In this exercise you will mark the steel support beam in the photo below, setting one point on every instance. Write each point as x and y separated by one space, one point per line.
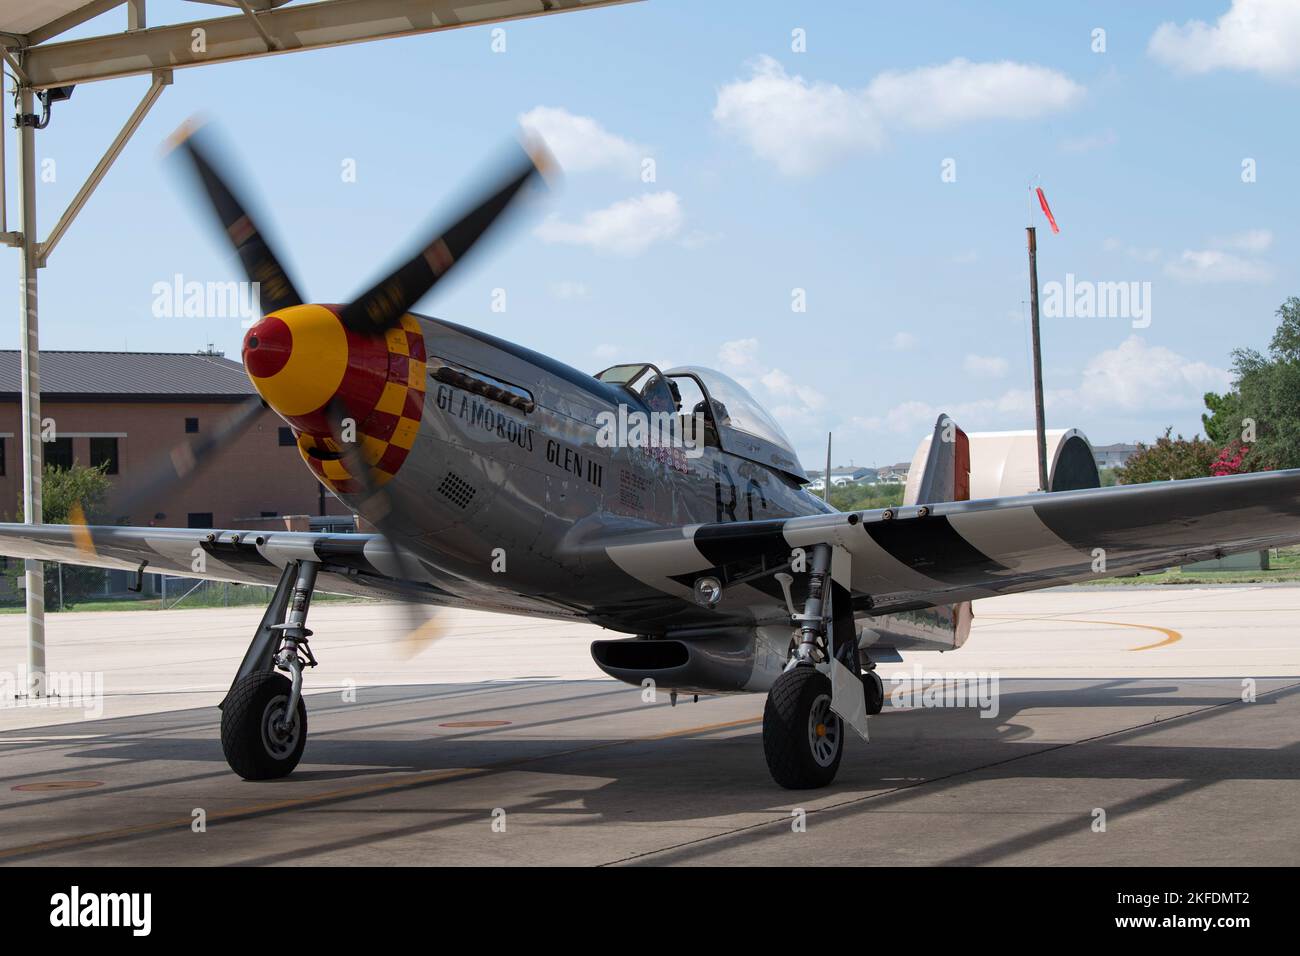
161 79
136 15
75 18
19 73
7 237
270 41
31 384
296 27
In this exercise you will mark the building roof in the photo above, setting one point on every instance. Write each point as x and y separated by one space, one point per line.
129 376
24 16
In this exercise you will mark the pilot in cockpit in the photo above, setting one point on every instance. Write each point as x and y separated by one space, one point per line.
661 394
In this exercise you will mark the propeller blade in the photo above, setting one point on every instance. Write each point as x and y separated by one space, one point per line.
433 626
81 535
423 625
381 307
169 473
260 263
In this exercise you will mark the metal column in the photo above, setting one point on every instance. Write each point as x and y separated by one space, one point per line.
1039 427
31 375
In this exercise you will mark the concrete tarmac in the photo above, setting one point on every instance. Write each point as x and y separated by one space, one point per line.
1120 736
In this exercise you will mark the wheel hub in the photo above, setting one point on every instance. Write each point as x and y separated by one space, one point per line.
824 731
278 737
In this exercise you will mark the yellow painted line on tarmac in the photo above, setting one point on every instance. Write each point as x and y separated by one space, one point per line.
1170 635
362 790
725 725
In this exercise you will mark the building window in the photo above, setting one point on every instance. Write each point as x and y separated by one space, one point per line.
57 453
269 514
286 436
191 425
103 452
199 519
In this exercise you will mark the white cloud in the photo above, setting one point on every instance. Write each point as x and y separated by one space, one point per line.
579 143
697 238
902 341
1260 35
569 290
985 366
1137 377
1216 265
739 356
794 404
961 91
606 352
1252 240
1133 378
904 417
778 383
1219 263
802 126
1140 253
626 228
1087 144
797 125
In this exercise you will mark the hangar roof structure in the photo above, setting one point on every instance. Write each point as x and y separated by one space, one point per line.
73 374
44 67
257 28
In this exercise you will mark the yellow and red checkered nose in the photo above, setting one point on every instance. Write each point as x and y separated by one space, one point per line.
302 361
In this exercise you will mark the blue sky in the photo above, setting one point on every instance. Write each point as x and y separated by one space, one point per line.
775 171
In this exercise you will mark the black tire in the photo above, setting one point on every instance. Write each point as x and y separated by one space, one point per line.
789 732
252 747
874 688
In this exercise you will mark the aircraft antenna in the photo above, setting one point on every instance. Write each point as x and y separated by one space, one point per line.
826 489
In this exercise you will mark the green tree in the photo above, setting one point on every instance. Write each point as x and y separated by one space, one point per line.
1223 423
1169 459
61 490
1263 409
866 497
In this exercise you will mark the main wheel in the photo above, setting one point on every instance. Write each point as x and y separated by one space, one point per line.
256 742
803 739
874 689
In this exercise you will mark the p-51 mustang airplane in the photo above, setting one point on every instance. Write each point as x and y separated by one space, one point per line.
463 449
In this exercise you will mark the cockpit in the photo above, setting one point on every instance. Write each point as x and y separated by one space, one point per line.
732 419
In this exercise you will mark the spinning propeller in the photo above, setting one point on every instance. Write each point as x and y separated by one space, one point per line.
323 367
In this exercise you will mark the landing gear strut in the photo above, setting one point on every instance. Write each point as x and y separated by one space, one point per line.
803 738
263 718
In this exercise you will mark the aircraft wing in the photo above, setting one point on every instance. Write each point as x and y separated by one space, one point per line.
244 557
357 564
939 554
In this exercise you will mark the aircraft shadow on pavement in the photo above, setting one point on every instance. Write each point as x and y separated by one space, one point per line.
906 747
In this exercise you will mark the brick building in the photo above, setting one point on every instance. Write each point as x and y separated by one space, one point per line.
128 409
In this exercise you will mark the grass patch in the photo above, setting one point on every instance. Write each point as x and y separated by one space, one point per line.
1283 567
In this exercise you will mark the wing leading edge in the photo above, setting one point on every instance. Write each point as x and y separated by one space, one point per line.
358 564
943 553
